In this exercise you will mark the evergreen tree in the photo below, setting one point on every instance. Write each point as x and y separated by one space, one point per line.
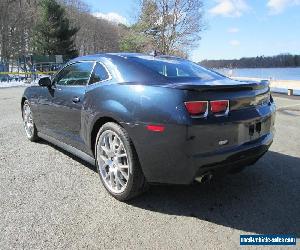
53 34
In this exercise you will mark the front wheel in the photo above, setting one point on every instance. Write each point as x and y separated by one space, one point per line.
28 122
117 163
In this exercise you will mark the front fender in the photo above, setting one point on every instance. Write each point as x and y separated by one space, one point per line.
31 94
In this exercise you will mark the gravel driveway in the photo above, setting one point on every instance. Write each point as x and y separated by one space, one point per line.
50 199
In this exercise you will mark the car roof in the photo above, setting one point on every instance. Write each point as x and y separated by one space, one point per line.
125 55
126 71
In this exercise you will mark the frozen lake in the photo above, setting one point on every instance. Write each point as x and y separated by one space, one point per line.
266 73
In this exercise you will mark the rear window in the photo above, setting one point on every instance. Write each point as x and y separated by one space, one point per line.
176 68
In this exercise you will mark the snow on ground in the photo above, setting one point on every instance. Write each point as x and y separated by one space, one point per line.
277 86
15 84
283 90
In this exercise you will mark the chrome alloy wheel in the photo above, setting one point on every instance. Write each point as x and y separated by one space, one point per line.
113 161
28 121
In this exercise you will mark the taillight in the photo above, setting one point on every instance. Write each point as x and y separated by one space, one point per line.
219 108
197 108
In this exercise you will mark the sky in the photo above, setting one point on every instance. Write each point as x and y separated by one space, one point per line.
234 28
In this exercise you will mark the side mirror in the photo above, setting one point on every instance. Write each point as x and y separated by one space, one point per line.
45 82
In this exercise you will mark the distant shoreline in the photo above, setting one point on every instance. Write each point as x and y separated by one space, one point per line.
278 61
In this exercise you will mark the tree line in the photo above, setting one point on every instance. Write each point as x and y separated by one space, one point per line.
278 61
49 27
67 27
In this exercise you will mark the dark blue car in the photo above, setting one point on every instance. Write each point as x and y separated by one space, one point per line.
150 119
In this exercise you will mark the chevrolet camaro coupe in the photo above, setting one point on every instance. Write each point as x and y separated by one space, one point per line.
145 119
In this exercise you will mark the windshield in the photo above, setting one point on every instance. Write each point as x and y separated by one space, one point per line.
176 68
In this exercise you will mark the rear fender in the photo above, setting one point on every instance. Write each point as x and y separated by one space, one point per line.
131 106
109 110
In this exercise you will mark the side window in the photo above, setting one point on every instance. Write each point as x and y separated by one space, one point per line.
99 74
75 74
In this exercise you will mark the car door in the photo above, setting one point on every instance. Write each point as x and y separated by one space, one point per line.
60 109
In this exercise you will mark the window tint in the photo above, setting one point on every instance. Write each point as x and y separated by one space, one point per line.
175 68
99 74
75 74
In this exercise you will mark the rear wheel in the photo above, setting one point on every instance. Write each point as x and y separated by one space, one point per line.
29 126
117 163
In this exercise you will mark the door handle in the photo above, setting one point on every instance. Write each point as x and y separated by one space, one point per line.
76 99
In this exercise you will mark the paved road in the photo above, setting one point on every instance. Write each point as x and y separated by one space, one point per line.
52 200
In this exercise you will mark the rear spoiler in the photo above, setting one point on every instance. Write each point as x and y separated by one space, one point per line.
244 85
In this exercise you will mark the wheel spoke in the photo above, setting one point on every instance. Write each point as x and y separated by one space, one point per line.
121 155
123 166
124 174
120 148
110 141
106 143
114 144
105 149
118 183
111 178
105 159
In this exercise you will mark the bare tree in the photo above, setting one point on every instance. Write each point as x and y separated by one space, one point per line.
16 20
18 17
96 35
174 25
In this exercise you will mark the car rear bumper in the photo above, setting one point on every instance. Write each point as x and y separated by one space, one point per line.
184 152
236 158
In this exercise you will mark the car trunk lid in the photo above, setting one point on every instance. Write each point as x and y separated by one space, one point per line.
241 94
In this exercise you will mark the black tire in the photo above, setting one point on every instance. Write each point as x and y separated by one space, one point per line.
136 183
31 136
